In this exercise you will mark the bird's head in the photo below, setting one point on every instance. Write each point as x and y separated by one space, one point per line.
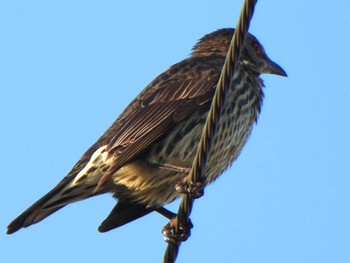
253 54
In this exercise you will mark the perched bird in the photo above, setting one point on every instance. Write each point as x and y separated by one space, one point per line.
150 147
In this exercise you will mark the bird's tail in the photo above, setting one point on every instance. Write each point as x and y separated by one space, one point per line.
76 186
54 200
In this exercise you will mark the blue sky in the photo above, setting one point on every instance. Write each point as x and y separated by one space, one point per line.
68 68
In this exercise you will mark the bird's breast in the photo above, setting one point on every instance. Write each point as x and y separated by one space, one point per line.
241 110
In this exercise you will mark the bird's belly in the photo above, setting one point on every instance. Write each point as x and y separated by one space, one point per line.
227 144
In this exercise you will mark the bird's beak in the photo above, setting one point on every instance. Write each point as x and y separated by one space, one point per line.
273 68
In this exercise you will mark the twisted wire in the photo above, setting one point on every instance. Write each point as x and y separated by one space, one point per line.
209 131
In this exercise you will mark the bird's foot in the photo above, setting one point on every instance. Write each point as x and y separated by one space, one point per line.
175 233
194 190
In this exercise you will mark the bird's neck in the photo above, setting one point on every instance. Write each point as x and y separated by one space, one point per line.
246 91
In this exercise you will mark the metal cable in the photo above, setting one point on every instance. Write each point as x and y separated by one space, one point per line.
182 224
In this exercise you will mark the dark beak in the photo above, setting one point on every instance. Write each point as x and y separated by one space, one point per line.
273 68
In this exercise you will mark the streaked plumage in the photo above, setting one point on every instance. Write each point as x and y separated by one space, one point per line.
140 156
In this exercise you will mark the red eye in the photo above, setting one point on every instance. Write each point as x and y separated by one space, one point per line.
257 48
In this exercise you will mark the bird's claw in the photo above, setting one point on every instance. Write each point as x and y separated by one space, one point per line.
194 190
172 234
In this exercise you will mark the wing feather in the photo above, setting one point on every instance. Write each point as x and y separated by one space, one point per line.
184 88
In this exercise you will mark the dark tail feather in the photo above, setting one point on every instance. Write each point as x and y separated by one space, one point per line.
122 214
32 214
48 204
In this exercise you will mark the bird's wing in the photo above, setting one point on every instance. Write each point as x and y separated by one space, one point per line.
184 88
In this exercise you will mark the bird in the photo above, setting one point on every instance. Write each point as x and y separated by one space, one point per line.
150 147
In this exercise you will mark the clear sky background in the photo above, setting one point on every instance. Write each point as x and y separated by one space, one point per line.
68 69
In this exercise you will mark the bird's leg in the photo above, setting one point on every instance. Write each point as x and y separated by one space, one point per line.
166 213
171 167
175 233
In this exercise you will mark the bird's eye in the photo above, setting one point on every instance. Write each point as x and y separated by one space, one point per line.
257 48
